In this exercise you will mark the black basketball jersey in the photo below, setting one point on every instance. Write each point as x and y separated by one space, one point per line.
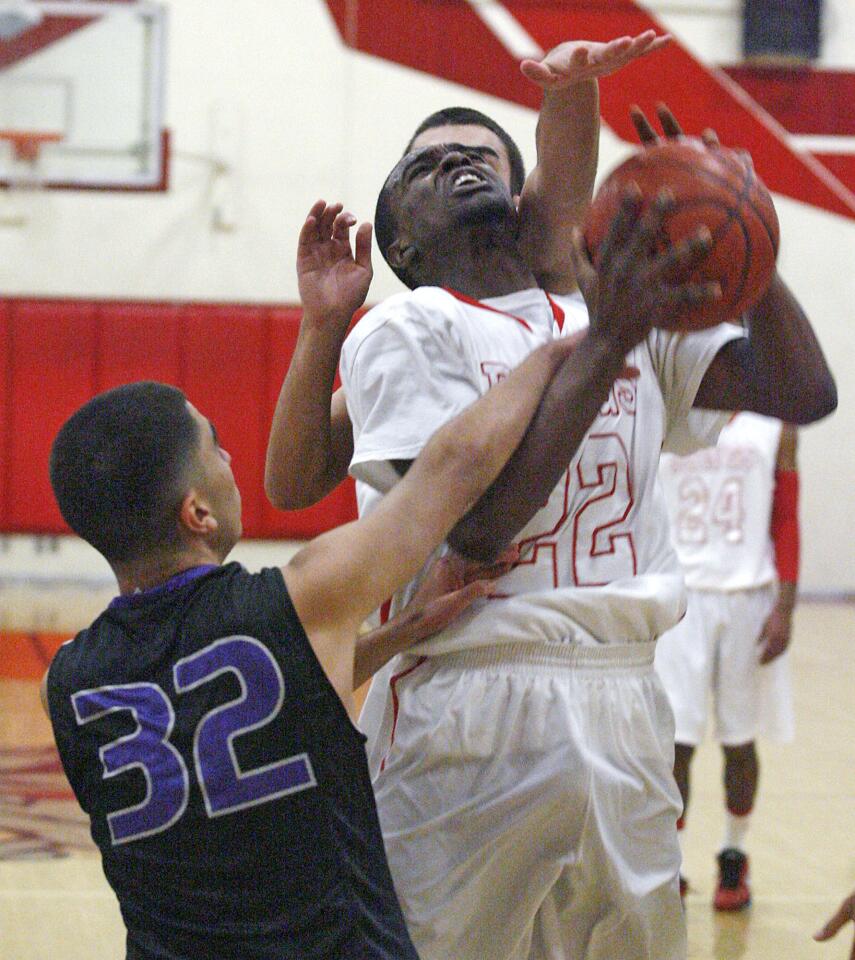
227 789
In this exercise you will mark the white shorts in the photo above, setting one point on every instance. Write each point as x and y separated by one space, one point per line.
529 808
713 652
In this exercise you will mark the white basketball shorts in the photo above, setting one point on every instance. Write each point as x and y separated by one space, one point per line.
528 805
713 653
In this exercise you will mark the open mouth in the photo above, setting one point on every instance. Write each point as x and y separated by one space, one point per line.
466 180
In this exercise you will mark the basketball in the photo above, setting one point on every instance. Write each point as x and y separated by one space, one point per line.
715 186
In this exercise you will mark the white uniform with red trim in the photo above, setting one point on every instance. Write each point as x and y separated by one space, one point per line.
720 509
523 756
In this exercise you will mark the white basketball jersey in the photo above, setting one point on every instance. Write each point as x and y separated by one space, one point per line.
720 506
597 565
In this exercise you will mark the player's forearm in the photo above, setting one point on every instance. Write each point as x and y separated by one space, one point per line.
567 410
377 647
559 189
779 370
787 591
303 463
788 359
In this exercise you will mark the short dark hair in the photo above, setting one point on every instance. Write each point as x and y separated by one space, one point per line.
467 117
119 465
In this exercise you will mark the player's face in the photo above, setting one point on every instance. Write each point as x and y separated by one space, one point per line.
216 481
436 189
470 135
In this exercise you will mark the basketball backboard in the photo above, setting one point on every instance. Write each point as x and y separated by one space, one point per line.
85 78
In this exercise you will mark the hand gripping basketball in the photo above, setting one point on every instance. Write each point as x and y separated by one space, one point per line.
712 186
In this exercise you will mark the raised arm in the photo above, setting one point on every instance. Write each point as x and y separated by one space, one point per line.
631 293
311 441
559 189
779 368
340 577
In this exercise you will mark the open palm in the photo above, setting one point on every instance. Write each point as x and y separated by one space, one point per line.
578 60
333 278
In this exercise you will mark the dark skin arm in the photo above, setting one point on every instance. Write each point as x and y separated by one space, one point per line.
779 369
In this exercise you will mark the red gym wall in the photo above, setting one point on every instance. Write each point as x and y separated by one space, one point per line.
229 359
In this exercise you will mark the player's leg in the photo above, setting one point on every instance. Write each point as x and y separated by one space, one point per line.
684 662
482 799
621 898
737 708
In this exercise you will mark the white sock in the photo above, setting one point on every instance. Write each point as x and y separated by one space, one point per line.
735 829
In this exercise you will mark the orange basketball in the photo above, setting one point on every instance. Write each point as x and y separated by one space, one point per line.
713 186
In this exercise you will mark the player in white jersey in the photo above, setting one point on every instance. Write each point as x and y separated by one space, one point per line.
568 730
526 774
733 511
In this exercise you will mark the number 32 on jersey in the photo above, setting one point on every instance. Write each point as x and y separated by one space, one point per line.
225 787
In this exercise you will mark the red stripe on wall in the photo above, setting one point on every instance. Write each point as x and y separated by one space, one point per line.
805 101
416 34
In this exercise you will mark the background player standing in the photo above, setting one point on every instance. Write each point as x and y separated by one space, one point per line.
733 510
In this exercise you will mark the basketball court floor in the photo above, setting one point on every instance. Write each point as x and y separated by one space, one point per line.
55 903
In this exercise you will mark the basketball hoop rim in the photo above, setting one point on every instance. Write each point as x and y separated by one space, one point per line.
27 144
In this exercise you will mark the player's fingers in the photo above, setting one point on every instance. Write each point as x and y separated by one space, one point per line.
693 294
670 127
325 224
362 246
643 127
684 256
710 137
342 224
584 272
308 232
625 223
535 71
647 229
659 42
845 913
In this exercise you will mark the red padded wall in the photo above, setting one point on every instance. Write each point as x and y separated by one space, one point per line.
229 360
224 377
138 341
52 346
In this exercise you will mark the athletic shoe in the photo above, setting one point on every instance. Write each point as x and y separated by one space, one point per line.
733 892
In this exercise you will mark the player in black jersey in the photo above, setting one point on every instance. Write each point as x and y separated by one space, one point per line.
201 719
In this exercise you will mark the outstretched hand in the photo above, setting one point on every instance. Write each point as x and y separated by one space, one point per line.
578 60
450 586
632 287
333 279
670 126
845 914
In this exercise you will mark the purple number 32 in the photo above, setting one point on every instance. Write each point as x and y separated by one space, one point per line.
225 787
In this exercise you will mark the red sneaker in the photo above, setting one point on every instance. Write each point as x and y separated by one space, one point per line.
732 892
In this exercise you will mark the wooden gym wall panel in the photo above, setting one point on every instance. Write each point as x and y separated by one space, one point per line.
53 349
340 505
225 378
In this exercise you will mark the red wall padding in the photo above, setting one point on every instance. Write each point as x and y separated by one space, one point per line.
228 359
